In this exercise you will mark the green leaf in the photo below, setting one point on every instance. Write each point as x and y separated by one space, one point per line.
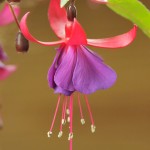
63 3
133 10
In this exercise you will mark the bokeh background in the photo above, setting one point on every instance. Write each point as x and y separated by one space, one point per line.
121 113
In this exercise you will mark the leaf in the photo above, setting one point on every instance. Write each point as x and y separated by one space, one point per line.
133 10
63 3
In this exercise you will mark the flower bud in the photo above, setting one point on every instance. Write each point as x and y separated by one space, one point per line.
71 12
22 44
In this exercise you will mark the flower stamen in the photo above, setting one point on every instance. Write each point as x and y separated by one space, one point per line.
67 111
71 121
55 114
93 127
65 107
81 112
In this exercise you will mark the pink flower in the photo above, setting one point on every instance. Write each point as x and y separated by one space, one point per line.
6 16
5 70
75 67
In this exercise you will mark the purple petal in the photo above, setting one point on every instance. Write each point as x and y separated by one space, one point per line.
63 91
3 55
64 72
52 70
91 73
6 16
6 71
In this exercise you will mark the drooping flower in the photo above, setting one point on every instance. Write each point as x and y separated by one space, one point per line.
6 17
75 67
5 70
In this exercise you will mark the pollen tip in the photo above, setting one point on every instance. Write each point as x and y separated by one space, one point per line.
63 121
68 119
70 136
49 133
60 134
67 111
82 121
93 128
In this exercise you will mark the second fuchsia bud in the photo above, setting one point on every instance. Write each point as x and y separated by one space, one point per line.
22 44
71 12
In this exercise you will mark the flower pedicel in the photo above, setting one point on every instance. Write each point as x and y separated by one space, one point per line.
75 67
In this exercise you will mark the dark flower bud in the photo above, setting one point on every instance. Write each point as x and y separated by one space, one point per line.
2 1
22 44
71 12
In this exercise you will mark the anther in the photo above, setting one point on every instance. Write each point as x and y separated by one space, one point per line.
60 134
93 128
49 133
82 121
63 121
70 136
22 44
68 119
67 111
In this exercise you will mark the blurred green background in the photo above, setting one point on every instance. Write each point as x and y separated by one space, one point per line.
121 113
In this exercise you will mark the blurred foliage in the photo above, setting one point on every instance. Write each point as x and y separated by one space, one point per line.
133 10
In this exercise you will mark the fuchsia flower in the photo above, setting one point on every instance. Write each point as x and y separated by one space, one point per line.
6 16
5 70
75 67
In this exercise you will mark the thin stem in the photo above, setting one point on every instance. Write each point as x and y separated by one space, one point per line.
71 122
66 101
89 109
55 114
81 112
72 1
71 144
14 15
62 116
79 103
71 113
62 121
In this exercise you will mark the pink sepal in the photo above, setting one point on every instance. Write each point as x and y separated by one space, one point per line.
6 71
78 36
26 33
116 41
57 18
